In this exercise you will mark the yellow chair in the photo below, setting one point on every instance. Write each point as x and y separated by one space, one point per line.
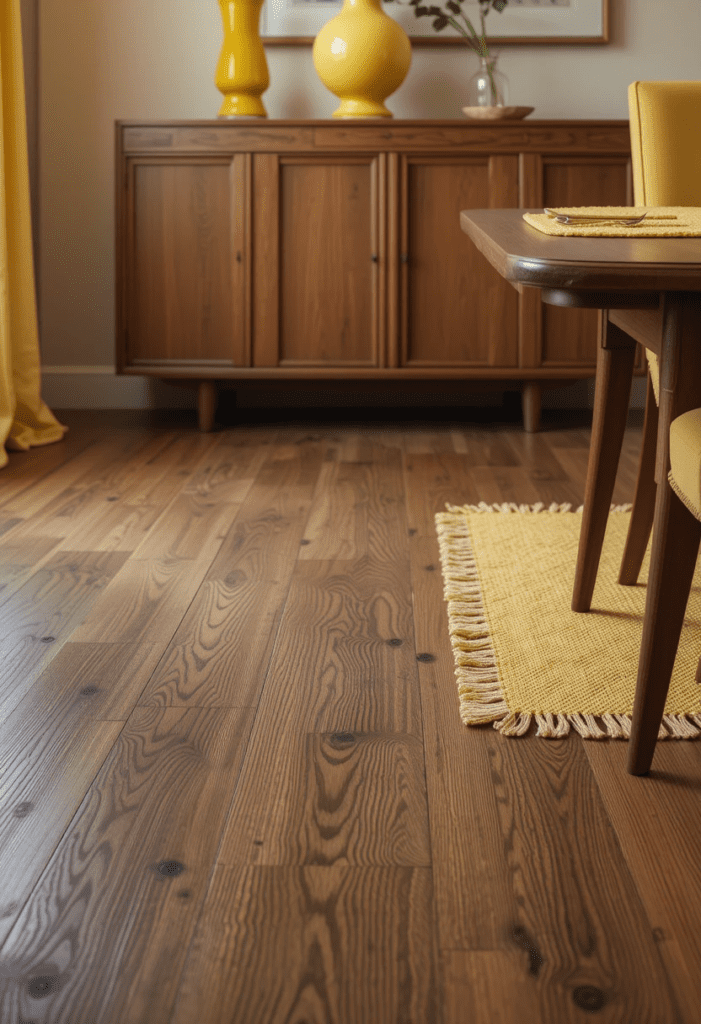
666 160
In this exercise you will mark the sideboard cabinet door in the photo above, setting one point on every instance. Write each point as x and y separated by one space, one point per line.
319 261
455 310
184 264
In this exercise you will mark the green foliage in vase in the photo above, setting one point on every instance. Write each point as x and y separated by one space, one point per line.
452 11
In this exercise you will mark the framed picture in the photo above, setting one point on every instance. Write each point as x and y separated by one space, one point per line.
522 22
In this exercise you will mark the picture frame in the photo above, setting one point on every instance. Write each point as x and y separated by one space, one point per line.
523 22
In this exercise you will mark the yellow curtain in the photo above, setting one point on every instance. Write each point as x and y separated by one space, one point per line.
25 420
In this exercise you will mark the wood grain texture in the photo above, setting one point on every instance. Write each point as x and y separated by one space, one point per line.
53 745
471 881
106 931
488 986
330 252
358 508
343 830
220 652
605 957
43 614
459 311
345 643
185 284
294 945
652 816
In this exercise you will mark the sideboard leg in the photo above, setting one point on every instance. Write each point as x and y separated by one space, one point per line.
531 407
206 405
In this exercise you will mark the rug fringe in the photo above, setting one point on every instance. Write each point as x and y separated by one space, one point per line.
511 506
479 687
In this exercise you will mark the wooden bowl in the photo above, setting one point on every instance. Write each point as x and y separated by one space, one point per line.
497 113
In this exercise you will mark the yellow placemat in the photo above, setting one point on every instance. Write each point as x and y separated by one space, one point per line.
661 222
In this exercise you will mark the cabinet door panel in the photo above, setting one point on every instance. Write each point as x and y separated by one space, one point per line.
330 256
569 335
186 263
457 310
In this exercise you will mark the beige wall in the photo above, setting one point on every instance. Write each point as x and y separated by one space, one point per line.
101 60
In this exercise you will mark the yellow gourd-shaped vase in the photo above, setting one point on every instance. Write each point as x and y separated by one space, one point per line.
242 71
362 55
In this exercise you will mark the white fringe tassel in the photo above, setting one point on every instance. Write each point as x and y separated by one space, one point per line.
479 687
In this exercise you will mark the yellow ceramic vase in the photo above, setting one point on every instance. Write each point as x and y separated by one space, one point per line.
362 55
242 71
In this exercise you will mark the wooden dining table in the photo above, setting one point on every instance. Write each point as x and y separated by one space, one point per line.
649 291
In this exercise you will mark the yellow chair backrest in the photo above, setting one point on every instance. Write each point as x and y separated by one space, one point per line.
665 135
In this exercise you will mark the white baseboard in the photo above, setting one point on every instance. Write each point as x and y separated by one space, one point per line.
99 387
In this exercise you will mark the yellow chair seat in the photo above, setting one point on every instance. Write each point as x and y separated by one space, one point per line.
685 459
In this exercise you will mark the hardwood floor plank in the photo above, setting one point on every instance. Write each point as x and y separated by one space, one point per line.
535 453
473 894
488 987
344 648
319 945
20 559
42 615
495 485
108 463
105 933
334 798
358 509
106 679
221 650
34 468
144 603
656 819
49 759
590 944
483 446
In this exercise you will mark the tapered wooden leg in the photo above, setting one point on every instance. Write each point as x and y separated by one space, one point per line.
643 513
675 547
614 377
698 672
531 401
206 405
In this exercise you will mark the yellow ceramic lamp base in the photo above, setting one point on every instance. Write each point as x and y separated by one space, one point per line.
242 72
362 56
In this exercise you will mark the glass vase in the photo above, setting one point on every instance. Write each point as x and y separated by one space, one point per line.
488 87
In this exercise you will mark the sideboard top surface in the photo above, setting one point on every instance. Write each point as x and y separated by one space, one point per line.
263 135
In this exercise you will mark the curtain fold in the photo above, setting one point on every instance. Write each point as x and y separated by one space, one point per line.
25 421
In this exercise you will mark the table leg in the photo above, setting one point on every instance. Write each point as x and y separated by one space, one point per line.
676 532
614 378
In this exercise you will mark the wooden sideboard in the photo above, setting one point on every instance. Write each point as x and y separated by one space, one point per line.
332 250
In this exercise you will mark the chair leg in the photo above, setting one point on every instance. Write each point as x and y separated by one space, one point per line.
675 548
698 672
643 512
614 377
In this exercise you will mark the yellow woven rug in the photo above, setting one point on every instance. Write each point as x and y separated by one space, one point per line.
522 654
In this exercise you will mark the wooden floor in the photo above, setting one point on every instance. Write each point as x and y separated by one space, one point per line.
235 786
